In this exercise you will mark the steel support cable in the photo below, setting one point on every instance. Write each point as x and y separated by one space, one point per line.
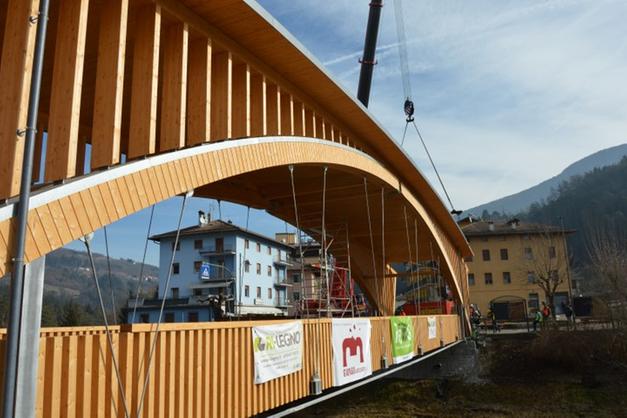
106 324
417 268
374 263
326 267
350 273
453 211
241 269
383 264
411 263
298 231
165 291
140 282
402 47
404 133
113 308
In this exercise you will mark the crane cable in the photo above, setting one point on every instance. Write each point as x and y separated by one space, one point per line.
408 106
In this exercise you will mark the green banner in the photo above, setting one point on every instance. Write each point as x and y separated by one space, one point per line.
402 338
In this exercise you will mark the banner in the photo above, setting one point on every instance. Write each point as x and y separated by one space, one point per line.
402 338
277 350
351 350
433 329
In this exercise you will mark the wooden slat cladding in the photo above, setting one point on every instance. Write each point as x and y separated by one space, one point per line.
173 77
199 91
15 74
240 100
107 119
66 90
143 118
221 95
198 369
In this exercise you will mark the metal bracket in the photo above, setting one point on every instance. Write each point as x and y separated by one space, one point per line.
33 19
22 132
368 62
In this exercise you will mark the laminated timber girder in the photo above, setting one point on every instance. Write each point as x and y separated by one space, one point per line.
167 95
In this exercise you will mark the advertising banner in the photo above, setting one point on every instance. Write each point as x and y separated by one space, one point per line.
351 350
433 329
277 350
402 338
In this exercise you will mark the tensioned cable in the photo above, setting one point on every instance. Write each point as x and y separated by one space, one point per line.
94 276
167 285
374 263
417 268
140 282
404 133
383 265
402 47
241 270
300 244
326 267
113 309
411 263
434 167
350 274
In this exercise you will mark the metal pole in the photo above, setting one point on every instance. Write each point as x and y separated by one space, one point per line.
17 279
370 46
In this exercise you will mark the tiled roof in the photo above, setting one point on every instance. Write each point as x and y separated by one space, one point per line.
512 227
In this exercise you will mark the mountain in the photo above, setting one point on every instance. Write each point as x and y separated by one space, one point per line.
70 296
521 201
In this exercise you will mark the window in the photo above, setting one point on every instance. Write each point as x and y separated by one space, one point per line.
507 277
197 244
488 278
270 271
247 266
219 245
197 292
531 278
258 247
258 268
552 253
471 279
528 253
197 266
554 276
144 318
295 278
258 292
169 317
175 268
192 317
504 254
247 291
246 244
486 255
296 295
175 293
534 301
468 259
178 245
269 293
269 250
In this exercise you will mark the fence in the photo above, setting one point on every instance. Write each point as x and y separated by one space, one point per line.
198 369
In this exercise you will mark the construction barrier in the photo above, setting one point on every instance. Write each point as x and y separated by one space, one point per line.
197 370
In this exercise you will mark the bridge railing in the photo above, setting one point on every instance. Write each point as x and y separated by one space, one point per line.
198 369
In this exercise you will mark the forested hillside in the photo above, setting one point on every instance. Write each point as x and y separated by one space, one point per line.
585 203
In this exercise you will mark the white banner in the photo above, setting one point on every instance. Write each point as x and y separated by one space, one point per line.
277 350
433 329
351 350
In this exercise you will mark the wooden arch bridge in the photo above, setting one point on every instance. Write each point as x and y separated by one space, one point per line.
143 100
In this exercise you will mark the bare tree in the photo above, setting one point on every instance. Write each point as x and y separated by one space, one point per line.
542 259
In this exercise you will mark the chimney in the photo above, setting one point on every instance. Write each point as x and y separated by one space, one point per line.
491 226
202 218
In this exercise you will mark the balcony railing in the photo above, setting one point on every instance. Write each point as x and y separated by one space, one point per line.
217 251
282 260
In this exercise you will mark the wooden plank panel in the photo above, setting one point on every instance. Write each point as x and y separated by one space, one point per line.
49 228
287 113
15 74
107 119
66 90
143 124
258 103
273 109
241 100
199 92
310 123
299 119
37 153
221 95
174 87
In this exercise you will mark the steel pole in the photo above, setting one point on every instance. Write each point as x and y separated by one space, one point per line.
370 45
17 276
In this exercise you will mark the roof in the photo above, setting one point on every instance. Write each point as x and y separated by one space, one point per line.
217 227
511 227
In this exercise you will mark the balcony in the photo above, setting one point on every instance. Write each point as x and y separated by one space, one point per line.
284 303
282 283
217 251
282 261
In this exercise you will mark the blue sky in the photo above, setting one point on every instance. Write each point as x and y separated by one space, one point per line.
507 93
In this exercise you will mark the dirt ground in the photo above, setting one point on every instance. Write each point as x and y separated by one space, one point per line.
519 377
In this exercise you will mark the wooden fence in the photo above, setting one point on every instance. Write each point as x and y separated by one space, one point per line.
198 369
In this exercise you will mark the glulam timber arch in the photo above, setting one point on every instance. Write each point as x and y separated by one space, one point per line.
158 97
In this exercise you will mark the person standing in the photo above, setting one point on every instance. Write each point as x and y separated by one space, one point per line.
537 319
546 313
